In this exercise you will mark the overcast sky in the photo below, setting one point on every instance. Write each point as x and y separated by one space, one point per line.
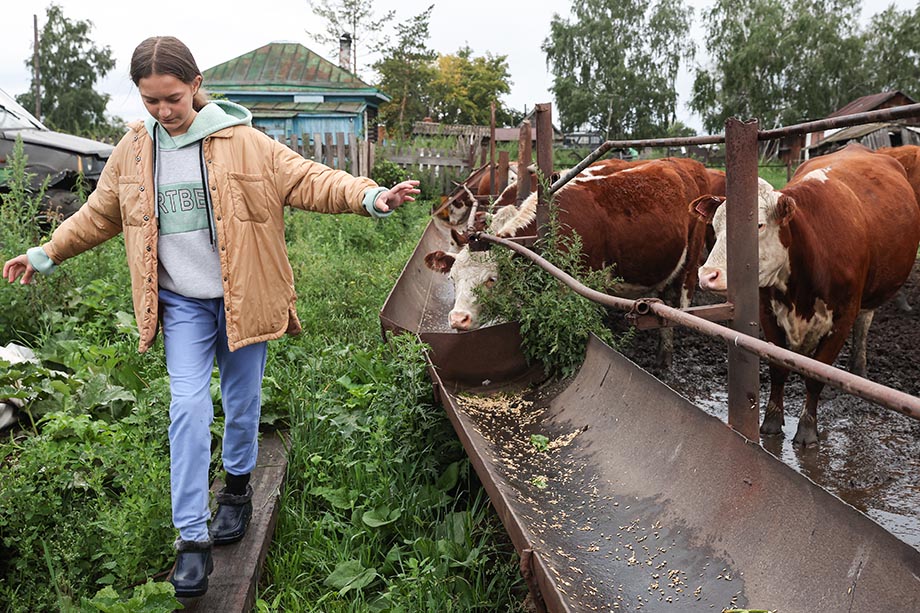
216 32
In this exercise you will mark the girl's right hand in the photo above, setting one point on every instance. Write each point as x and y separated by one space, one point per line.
18 266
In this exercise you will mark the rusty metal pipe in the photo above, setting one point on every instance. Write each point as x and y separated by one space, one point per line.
848 382
844 121
898 112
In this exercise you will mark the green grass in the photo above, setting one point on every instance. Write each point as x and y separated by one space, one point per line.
380 510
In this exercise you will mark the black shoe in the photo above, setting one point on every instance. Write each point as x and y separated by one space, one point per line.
232 517
193 565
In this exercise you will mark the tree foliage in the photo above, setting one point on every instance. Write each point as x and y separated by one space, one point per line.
465 86
615 64
354 17
448 88
784 63
70 64
406 71
892 51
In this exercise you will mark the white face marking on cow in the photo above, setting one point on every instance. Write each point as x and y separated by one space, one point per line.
819 174
773 268
469 271
803 335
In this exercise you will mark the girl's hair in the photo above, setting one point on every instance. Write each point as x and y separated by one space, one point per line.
167 55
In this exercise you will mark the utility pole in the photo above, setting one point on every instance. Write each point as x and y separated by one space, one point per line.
36 72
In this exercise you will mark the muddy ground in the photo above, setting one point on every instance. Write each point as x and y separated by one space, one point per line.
867 455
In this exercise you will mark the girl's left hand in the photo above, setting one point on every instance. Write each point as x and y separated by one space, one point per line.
396 195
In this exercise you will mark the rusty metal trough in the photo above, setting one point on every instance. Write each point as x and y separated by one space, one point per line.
642 501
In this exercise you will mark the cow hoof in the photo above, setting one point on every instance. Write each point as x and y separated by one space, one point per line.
771 427
805 437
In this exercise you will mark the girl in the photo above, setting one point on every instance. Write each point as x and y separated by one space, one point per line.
199 196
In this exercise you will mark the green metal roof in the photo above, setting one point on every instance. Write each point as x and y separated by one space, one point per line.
281 67
292 109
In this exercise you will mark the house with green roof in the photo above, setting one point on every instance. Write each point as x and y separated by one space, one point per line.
291 90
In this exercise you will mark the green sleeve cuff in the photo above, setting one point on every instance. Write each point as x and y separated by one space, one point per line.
40 260
370 197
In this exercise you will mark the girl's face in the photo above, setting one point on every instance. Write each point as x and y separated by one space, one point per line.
169 101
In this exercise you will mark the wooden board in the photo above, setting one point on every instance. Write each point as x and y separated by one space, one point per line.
232 585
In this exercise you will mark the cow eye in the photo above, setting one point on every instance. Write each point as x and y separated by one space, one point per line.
761 226
490 282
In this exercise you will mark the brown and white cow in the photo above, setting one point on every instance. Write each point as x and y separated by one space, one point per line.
634 218
909 157
455 209
835 243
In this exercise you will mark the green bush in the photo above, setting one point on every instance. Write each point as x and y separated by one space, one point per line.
387 174
555 321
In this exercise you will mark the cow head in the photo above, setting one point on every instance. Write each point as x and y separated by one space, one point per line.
468 270
774 210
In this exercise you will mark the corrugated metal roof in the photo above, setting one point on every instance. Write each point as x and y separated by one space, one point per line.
274 66
854 132
869 103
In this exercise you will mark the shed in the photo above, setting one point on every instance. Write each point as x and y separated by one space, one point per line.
292 91
875 135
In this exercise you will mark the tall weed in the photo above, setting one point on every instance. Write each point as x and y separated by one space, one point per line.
555 321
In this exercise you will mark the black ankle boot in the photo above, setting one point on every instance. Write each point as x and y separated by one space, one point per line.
193 565
232 516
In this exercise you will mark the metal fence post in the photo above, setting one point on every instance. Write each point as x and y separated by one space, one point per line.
742 266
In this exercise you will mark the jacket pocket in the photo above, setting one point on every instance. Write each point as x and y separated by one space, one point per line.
248 195
129 196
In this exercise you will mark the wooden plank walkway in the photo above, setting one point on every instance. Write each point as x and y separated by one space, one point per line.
232 585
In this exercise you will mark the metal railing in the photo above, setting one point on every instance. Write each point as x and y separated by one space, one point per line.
741 140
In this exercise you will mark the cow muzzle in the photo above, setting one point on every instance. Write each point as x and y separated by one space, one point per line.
461 320
712 279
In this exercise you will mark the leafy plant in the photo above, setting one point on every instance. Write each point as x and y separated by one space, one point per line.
555 321
387 173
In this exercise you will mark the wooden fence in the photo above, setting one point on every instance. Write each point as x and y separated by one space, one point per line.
436 168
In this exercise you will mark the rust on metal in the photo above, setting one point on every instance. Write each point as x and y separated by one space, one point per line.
742 273
844 121
850 383
648 320
641 462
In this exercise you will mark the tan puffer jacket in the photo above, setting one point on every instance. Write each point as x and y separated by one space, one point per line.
251 178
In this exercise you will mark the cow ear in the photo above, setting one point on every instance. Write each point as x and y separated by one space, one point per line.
784 210
439 261
459 239
705 207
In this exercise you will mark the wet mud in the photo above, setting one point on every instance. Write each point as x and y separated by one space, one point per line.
867 455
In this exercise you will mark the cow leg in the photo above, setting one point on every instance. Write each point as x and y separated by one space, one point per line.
860 336
666 334
807 432
900 300
773 415
665 347
828 349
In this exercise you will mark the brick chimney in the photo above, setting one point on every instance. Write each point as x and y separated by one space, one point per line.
345 52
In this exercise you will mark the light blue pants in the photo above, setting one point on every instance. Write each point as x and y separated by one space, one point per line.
194 333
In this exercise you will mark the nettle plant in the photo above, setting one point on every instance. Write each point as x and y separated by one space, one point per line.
555 321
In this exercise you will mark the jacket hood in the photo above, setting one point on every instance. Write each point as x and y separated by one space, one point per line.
214 116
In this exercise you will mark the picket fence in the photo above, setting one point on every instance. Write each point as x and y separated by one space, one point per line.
436 168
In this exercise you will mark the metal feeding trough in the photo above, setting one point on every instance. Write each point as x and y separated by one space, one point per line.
621 495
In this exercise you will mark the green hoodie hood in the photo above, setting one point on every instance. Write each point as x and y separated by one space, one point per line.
214 116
